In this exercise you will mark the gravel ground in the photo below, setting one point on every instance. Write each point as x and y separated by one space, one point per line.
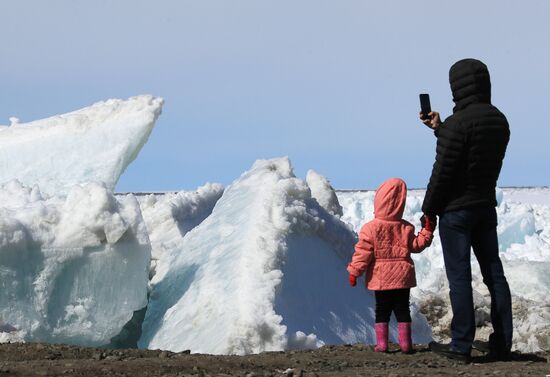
37 359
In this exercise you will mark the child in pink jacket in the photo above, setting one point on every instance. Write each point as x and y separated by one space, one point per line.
384 253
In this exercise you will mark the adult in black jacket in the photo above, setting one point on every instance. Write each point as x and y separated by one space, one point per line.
471 144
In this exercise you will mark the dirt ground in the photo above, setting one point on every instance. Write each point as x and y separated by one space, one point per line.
37 359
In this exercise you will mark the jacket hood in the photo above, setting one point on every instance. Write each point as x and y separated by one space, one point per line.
389 200
470 83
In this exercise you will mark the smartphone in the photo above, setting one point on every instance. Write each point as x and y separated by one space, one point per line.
425 107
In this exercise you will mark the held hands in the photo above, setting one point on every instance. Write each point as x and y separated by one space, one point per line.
428 222
432 121
352 280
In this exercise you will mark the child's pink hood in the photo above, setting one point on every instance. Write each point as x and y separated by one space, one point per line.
390 198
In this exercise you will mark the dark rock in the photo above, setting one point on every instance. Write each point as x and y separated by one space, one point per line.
98 356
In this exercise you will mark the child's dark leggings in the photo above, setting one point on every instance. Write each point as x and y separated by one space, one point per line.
396 300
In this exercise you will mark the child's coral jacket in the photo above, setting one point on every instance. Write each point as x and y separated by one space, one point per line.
385 243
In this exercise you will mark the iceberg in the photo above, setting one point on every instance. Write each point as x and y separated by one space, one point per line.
95 143
73 268
265 271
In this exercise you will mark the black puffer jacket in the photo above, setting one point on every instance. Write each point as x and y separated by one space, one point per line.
471 144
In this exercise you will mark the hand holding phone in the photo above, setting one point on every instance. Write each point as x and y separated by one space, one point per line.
427 116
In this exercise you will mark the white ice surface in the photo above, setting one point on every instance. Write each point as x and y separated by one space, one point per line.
323 192
524 238
95 143
72 269
527 195
265 271
170 216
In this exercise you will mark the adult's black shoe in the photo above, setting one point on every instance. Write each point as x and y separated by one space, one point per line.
448 351
492 354
481 346
499 355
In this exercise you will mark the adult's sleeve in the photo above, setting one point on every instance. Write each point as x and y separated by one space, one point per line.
451 142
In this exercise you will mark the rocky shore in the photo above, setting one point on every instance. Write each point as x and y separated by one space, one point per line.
38 359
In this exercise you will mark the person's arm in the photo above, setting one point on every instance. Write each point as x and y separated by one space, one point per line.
364 250
451 142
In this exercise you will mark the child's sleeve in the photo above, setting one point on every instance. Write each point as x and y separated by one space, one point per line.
364 251
421 241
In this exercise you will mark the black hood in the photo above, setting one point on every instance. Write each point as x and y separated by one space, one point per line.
470 83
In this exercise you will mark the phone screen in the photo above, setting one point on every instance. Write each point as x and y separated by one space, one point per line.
425 107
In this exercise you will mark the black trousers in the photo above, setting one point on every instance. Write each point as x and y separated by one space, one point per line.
460 231
396 300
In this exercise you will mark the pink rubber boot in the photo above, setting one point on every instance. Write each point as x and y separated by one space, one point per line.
381 329
405 340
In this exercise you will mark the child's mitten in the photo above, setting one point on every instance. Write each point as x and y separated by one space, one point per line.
428 222
352 280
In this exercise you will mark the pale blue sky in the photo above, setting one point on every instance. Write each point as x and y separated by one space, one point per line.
332 84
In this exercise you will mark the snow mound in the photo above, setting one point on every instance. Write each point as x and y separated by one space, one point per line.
524 240
265 271
323 192
95 143
72 269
